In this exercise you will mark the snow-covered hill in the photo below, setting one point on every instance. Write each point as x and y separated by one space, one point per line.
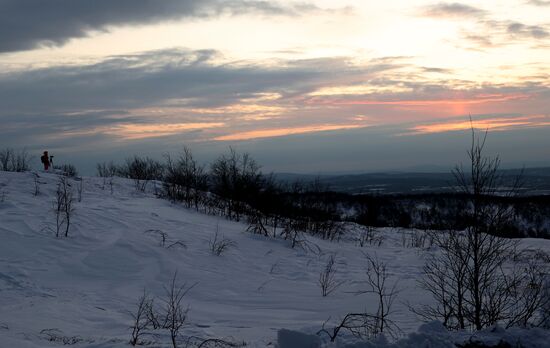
83 287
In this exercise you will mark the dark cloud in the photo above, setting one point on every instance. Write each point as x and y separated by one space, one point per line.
436 70
179 77
530 31
451 10
502 33
26 24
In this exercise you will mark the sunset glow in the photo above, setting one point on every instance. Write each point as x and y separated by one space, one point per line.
268 133
492 124
133 132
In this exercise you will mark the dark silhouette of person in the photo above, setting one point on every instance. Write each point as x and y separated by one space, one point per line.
45 160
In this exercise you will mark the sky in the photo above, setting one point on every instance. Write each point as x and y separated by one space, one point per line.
320 86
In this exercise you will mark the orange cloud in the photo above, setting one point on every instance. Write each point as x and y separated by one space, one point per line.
495 124
278 132
140 131
480 99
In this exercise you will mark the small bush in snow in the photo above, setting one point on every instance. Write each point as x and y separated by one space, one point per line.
219 244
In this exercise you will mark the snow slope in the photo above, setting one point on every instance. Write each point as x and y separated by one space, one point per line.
84 286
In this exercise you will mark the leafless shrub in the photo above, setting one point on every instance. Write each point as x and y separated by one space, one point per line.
165 241
142 170
530 302
369 235
257 223
219 343
219 244
273 267
14 161
57 336
327 277
361 325
369 325
176 244
293 231
107 171
415 239
174 315
58 207
377 282
185 180
63 206
140 320
162 236
67 170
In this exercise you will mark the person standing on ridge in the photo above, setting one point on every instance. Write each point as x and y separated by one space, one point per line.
45 160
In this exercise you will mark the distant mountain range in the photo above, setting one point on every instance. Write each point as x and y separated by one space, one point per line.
536 181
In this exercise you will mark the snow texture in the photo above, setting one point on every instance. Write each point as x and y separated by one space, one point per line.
80 290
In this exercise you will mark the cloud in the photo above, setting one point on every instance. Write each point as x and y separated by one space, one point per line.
172 78
173 96
280 132
539 3
451 10
27 24
500 123
498 33
529 31
167 93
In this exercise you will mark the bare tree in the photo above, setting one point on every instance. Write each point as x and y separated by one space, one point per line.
470 277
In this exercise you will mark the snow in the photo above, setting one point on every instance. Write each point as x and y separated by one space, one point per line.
82 288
